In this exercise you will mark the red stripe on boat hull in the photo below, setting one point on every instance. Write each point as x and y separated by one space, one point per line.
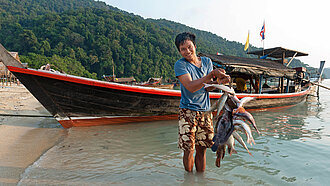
97 83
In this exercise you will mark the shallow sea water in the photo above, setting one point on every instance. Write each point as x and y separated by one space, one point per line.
293 149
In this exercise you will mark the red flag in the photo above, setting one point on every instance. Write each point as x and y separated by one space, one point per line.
262 32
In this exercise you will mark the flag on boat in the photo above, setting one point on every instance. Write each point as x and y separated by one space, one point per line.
247 42
262 32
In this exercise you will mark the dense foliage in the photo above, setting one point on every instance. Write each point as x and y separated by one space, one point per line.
89 38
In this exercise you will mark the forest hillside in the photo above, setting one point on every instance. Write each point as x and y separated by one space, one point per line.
89 38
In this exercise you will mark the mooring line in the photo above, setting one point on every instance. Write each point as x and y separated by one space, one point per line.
21 115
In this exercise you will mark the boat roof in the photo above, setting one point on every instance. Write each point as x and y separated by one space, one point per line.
110 78
252 66
278 52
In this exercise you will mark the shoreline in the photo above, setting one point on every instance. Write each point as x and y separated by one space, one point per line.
23 140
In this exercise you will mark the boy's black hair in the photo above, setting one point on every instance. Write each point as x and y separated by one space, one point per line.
181 38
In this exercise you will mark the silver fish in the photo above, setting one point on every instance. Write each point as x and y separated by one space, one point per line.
241 112
244 100
220 87
219 104
241 141
231 145
242 126
222 102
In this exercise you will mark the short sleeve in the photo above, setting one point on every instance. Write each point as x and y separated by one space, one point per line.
210 65
180 68
207 62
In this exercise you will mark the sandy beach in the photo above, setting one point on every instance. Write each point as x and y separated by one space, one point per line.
17 99
23 139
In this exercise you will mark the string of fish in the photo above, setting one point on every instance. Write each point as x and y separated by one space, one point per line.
233 119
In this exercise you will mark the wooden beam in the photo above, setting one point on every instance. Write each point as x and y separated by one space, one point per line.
8 59
291 59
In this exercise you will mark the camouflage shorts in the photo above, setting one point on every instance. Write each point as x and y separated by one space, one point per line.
194 129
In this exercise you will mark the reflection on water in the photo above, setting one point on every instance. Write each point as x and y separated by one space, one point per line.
287 123
293 148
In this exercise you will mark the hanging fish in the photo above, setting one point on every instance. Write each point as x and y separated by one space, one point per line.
233 119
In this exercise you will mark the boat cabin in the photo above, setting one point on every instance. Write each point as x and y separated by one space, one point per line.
269 73
113 78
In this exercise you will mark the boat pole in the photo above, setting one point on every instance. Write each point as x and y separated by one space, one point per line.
1 78
6 77
260 84
320 85
287 88
320 72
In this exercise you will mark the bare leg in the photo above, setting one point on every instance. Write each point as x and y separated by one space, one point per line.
188 160
200 158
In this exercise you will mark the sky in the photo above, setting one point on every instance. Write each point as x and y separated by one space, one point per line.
301 25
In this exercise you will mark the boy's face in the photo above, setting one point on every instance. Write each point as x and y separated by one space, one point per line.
187 50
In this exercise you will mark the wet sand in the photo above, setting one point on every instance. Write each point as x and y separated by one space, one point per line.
23 139
17 99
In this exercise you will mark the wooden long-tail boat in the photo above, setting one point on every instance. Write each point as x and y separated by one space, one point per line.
78 101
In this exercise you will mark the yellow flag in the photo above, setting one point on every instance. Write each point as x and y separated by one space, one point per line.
247 42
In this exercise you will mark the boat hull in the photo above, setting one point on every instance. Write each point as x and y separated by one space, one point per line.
77 101
70 96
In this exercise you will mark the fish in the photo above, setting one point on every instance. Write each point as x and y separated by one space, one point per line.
241 112
244 100
220 87
221 150
242 126
222 102
232 102
231 145
234 118
224 130
241 141
218 105
235 99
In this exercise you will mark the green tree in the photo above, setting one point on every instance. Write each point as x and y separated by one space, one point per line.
29 41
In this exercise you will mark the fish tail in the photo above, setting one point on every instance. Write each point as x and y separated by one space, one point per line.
231 151
217 162
249 141
257 130
224 151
